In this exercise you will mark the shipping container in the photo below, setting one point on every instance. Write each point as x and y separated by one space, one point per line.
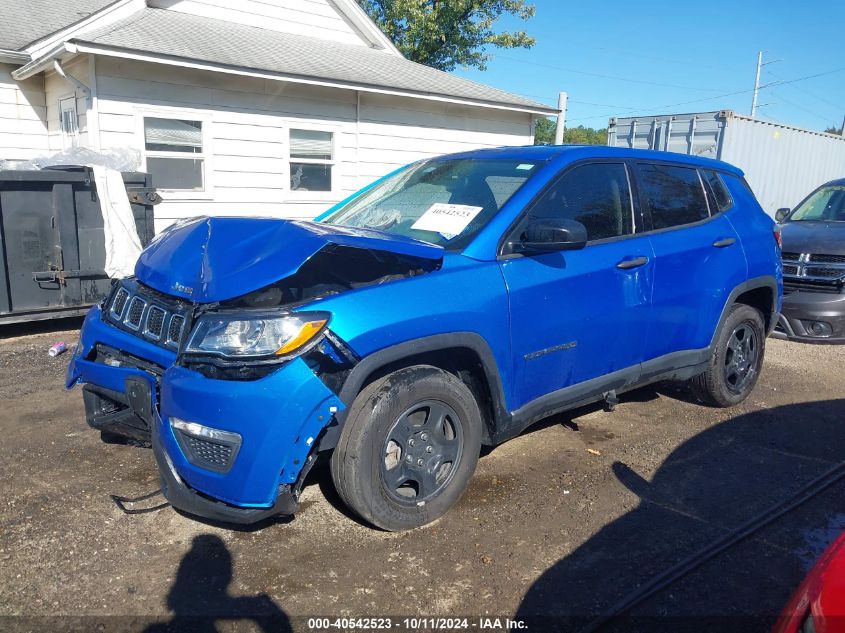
783 164
52 244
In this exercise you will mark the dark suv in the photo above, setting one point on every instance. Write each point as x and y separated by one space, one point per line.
814 267
449 305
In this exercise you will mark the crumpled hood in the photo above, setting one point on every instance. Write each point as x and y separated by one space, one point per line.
215 259
827 238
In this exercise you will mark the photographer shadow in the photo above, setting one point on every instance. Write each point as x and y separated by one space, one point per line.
200 598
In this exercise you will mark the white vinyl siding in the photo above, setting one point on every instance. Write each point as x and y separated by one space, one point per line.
249 123
315 18
23 117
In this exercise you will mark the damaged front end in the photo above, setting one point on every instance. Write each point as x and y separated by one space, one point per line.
221 366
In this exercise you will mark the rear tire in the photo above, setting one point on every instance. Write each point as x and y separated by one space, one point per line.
737 359
408 448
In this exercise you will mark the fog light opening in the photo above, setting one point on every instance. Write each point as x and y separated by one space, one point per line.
206 447
818 328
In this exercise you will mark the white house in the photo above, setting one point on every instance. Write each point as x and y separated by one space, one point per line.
265 107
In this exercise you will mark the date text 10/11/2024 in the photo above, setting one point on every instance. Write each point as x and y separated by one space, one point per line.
416 624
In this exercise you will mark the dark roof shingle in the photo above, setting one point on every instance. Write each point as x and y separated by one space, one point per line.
25 21
192 37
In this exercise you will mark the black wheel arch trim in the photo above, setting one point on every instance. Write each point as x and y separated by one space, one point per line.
371 364
764 281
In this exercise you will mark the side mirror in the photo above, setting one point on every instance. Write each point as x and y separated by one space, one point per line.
780 214
552 235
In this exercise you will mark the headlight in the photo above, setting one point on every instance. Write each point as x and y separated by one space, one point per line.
242 335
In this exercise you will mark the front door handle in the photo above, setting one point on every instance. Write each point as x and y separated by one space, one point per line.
633 262
728 241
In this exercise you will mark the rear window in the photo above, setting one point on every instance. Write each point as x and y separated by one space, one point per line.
721 195
674 195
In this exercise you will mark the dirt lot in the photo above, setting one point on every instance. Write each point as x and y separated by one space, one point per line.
562 521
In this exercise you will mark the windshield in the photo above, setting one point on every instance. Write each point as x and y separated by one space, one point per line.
445 202
825 205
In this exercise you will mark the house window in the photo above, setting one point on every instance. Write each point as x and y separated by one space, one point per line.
69 122
175 153
311 160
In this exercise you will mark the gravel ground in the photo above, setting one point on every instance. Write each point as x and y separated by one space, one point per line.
557 525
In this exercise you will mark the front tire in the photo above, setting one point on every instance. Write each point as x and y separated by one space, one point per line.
408 449
736 361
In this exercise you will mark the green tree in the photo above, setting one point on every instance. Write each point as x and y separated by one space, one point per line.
834 130
544 134
449 33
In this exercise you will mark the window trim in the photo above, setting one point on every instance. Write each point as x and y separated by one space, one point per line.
644 202
206 155
708 186
502 251
334 163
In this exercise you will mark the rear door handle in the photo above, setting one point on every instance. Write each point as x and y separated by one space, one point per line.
728 241
634 262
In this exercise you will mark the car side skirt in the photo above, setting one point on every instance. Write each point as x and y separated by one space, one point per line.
680 365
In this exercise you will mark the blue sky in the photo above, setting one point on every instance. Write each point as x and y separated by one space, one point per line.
618 58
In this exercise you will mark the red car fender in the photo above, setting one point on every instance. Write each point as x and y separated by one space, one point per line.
821 596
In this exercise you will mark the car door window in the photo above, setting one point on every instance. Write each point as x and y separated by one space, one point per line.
721 196
596 195
674 195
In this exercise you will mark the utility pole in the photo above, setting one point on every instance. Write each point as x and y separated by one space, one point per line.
760 64
756 85
561 118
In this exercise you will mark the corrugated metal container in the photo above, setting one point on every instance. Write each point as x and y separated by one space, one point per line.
781 163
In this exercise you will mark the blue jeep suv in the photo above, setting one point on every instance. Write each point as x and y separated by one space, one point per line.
449 305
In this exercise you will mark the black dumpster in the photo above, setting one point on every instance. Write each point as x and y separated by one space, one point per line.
52 247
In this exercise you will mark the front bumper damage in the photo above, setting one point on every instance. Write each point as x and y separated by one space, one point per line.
279 419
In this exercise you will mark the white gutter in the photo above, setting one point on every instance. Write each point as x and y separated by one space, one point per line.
169 60
13 57
43 63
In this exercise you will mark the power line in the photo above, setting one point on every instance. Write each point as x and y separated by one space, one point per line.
810 94
826 119
603 76
785 82
673 60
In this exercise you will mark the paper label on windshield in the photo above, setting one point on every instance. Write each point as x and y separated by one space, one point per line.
447 219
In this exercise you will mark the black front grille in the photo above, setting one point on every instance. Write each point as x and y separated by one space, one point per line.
810 268
207 453
822 271
155 322
136 312
145 312
174 332
827 259
802 286
119 302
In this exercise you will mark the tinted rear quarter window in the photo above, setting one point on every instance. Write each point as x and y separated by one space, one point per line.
721 195
674 195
